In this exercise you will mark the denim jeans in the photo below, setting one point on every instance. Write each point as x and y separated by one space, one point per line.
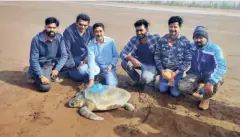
164 86
82 74
148 72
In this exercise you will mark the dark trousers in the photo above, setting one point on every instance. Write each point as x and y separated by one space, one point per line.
39 85
191 82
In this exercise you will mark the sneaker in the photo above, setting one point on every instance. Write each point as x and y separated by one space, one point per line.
57 80
204 104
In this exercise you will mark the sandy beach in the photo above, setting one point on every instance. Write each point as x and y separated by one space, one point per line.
27 113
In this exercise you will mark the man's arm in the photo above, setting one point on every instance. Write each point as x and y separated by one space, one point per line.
91 60
115 54
34 58
220 67
187 59
127 49
67 39
64 55
158 55
85 54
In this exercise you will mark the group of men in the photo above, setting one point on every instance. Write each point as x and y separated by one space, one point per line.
84 52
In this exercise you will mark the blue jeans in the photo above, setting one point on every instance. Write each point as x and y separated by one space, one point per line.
163 86
148 72
82 74
68 65
71 63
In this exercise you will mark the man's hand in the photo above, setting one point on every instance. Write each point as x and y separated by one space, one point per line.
91 82
54 73
208 88
168 75
174 74
44 80
109 68
136 63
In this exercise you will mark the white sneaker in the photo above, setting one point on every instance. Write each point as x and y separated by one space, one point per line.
57 80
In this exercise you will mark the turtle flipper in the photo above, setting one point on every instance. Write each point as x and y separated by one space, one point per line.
129 107
84 111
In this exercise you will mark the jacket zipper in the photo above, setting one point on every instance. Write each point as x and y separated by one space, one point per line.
198 54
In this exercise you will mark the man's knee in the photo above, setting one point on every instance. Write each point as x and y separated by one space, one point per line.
175 91
186 86
78 74
147 78
113 82
73 73
163 87
69 63
44 87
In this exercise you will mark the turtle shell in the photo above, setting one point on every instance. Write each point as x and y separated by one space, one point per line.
110 98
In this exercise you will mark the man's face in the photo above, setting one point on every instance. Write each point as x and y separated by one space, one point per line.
141 32
174 29
200 41
99 33
82 25
51 30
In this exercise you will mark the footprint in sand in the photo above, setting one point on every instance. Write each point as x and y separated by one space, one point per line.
38 117
128 130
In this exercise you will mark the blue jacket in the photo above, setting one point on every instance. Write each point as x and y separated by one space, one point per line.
76 45
177 57
45 53
208 62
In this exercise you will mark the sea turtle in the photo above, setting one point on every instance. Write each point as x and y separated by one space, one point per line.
100 98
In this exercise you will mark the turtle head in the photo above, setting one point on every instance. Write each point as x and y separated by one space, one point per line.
77 101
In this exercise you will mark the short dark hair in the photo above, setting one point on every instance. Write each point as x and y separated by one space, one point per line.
141 22
98 25
175 19
83 16
51 20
